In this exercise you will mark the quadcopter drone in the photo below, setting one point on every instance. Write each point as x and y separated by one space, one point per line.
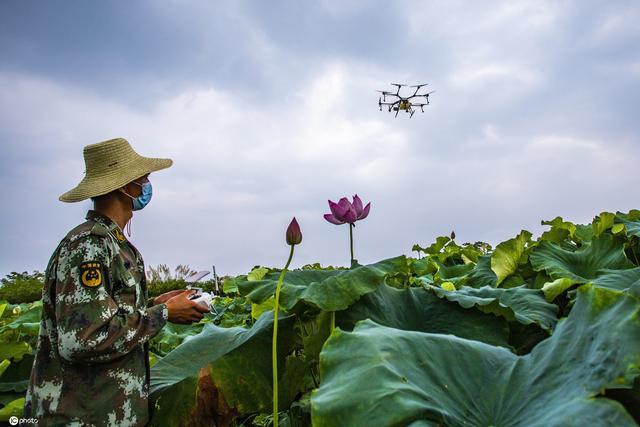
403 103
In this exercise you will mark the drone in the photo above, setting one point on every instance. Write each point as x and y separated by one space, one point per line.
403 103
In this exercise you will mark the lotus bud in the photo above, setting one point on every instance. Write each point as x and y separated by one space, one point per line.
294 235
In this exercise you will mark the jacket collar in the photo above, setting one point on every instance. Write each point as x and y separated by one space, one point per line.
110 225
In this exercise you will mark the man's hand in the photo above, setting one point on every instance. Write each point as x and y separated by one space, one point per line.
184 311
167 296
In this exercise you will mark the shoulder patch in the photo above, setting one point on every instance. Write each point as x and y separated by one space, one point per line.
91 274
119 235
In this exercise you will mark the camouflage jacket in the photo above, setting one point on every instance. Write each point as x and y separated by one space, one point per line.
91 364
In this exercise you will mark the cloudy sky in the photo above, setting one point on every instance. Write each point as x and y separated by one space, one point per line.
268 109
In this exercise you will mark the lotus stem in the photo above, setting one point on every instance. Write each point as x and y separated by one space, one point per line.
351 241
274 351
333 313
333 321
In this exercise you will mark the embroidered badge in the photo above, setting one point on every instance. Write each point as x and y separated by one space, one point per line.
90 274
119 235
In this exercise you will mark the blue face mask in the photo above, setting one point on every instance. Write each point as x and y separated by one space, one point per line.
143 199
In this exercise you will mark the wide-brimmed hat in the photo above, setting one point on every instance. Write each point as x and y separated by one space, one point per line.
110 165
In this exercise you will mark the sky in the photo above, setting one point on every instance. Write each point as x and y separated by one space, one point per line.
269 110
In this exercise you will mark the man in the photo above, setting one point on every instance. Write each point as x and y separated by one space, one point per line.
91 364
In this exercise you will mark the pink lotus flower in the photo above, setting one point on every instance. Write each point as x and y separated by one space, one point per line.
347 212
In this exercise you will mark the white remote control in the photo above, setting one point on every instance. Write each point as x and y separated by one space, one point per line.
203 298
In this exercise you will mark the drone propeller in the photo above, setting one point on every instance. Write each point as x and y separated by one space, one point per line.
399 86
417 89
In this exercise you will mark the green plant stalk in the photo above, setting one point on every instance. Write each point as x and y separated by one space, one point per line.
351 241
333 321
274 350
333 313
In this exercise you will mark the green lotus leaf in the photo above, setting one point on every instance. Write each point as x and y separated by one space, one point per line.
454 271
519 304
257 273
582 265
618 229
266 305
294 284
172 335
602 223
482 274
8 397
329 290
513 281
16 376
245 377
14 350
560 230
621 280
631 222
377 375
471 253
176 404
552 289
314 333
230 285
27 322
240 360
416 309
584 233
435 247
506 256
4 365
423 266
12 409
444 249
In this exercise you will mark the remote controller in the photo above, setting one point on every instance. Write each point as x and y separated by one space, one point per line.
203 298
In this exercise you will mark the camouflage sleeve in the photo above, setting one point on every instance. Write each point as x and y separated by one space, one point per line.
90 326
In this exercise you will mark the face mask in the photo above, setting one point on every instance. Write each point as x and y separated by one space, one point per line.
143 199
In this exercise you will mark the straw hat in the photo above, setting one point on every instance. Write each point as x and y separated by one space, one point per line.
110 165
